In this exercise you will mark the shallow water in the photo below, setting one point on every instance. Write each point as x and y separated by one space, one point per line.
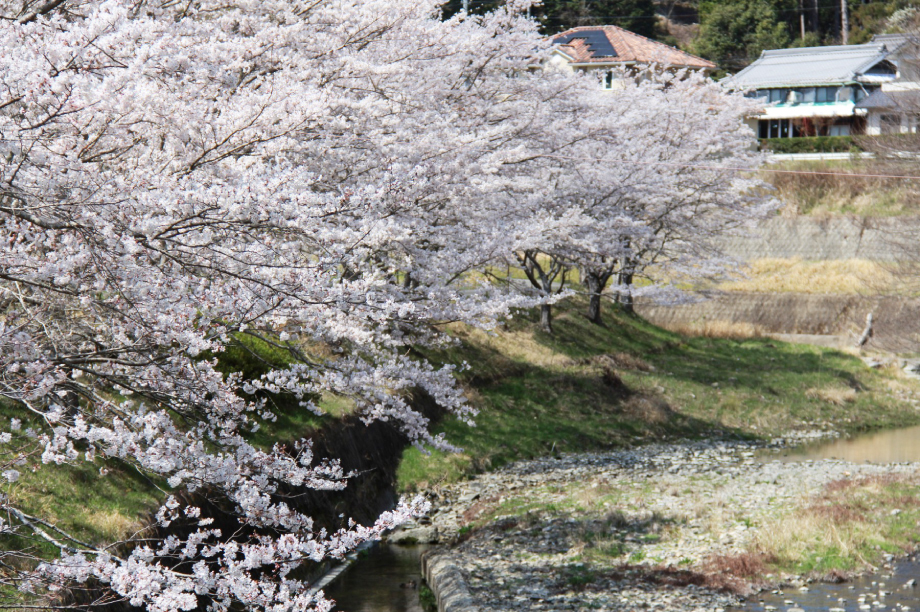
380 581
887 590
891 446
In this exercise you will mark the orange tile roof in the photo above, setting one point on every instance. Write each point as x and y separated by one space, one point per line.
629 47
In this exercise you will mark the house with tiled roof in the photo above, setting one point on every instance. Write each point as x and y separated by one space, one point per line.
611 49
820 91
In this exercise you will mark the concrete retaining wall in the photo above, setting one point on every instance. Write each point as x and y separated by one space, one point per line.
896 325
837 238
447 583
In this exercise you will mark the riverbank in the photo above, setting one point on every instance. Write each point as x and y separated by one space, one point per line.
680 526
605 387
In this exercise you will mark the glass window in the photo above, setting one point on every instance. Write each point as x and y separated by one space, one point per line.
763 129
808 95
839 130
825 95
778 95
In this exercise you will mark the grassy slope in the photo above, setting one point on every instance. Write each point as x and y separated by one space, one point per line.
823 195
594 387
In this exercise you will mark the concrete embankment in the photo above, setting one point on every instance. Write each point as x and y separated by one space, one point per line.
873 239
835 320
447 582
839 318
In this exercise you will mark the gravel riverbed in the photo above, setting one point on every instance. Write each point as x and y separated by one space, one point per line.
627 530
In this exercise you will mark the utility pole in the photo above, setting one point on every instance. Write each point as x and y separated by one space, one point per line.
466 6
802 18
844 22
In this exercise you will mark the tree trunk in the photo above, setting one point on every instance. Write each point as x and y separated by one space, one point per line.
594 308
624 297
802 18
546 318
594 284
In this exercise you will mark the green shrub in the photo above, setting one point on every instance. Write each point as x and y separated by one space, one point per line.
816 144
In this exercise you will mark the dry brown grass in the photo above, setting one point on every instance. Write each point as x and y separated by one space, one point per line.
514 345
844 192
622 361
719 329
838 396
847 522
750 565
848 276
651 410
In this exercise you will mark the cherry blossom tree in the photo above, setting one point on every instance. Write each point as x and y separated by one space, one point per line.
312 174
322 176
656 177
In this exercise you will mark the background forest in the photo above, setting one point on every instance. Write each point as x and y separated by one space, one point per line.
731 33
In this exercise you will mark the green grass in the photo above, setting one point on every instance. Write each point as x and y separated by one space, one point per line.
590 387
106 500
849 527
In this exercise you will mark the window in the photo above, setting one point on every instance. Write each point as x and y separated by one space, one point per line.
890 124
839 130
774 128
779 95
825 95
808 95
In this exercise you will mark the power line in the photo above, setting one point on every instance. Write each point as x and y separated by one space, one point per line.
738 169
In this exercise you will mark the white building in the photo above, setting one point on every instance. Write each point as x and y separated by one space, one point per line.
821 91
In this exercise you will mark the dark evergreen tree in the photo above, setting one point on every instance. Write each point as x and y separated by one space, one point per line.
558 15
634 15
734 33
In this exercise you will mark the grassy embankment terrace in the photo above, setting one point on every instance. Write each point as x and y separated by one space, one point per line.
599 387
853 193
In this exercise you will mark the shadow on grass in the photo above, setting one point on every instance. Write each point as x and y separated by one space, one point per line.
590 387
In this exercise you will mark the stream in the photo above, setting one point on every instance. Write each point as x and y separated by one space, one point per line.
889 590
386 579
892 446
